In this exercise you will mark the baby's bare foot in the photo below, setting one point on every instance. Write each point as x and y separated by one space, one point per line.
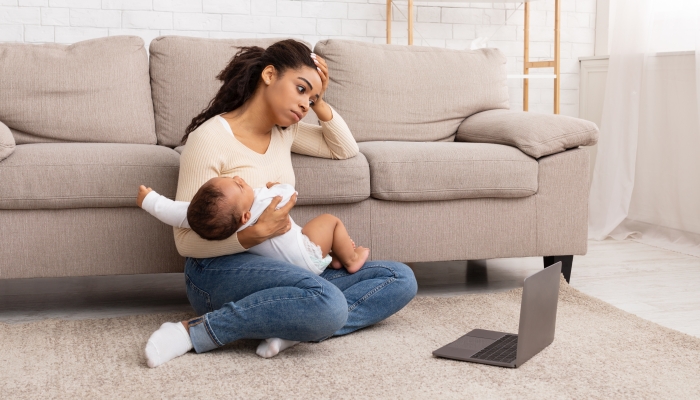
361 255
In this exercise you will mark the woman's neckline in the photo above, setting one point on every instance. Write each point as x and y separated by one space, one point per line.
226 125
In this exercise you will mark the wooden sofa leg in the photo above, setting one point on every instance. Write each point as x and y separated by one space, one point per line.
566 262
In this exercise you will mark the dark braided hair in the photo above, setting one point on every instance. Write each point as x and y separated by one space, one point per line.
243 73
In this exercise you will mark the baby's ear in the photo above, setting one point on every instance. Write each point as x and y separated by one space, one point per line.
245 217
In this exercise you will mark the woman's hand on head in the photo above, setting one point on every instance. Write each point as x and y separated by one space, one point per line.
322 69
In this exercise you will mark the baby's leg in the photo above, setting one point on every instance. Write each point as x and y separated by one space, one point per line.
335 263
329 233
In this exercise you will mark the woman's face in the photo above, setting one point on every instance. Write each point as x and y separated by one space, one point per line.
291 95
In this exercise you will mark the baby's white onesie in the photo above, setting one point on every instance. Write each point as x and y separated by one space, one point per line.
293 246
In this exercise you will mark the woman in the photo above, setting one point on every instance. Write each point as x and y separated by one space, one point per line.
241 295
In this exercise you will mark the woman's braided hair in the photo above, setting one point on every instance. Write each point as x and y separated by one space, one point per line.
243 73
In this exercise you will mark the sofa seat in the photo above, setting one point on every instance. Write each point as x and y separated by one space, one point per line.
323 181
85 175
427 171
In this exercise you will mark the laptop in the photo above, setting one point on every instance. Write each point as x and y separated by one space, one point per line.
538 314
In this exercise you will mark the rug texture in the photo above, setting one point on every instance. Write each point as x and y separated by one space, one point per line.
599 351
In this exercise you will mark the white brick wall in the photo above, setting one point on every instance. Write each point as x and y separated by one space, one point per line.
450 25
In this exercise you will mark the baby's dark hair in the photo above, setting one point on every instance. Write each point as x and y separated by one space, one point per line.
210 215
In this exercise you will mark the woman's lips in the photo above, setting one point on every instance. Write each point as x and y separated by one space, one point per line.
296 116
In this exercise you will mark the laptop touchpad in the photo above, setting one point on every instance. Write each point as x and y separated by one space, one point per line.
471 343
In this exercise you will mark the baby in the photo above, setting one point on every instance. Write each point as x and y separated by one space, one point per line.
225 205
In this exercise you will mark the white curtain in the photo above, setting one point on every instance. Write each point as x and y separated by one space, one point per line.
646 181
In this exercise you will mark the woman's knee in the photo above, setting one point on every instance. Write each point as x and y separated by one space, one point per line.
317 309
407 276
331 311
405 284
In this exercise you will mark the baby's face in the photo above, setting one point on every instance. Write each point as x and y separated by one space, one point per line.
236 191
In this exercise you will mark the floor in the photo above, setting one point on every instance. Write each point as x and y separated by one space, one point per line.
653 283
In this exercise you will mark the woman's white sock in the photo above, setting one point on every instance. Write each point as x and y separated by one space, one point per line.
270 347
169 341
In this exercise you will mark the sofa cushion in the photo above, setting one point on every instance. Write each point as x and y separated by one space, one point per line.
410 93
7 142
427 171
536 135
324 181
92 91
183 78
78 175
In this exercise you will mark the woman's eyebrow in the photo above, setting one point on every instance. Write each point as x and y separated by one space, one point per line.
307 82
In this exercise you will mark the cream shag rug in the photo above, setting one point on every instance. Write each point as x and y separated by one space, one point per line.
599 351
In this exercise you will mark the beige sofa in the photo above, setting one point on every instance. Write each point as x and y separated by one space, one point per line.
446 172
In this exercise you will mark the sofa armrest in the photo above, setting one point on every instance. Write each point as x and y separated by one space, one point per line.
7 142
536 135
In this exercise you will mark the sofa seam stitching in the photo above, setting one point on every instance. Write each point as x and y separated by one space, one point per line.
530 145
449 161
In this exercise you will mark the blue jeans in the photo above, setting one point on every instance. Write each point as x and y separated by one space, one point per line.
246 296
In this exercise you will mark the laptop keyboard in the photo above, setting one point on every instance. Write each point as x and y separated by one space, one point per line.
502 350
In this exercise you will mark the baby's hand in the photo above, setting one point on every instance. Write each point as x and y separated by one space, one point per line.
270 184
143 191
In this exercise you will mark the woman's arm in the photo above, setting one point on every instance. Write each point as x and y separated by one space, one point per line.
332 139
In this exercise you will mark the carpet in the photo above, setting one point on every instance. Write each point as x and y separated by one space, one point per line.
599 351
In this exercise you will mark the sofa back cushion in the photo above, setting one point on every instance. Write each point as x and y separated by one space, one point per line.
410 93
92 91
183 78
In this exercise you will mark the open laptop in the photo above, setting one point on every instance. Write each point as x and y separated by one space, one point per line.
538 315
